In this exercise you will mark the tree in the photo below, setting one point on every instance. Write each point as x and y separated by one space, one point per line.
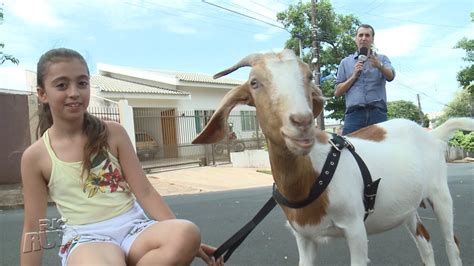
461 106
5 57
407 110
335 36
466 76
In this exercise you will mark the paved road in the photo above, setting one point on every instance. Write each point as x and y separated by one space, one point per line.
220 214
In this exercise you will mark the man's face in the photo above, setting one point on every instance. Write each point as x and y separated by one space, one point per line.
364 38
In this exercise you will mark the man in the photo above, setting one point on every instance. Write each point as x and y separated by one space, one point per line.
361 79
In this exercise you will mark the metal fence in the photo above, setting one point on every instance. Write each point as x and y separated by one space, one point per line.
106 113
164 137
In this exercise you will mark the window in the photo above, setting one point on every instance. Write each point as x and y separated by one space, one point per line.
201 118
248 120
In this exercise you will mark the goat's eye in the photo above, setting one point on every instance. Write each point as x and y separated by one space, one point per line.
310 77
254 83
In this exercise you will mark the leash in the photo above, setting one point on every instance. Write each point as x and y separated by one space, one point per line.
338 143
229 246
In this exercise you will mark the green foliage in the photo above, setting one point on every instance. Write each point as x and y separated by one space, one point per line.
337 105
466 76
5 57
407 110
335 35
464 141
461 106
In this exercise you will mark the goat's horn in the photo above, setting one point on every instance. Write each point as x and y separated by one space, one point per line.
246 61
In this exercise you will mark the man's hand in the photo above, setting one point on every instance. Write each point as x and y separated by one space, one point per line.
358 67
386 71
375 62
205 253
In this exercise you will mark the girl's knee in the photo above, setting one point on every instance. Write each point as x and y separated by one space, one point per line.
188 234
186 243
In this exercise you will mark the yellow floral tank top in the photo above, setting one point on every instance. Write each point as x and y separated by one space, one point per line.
101 195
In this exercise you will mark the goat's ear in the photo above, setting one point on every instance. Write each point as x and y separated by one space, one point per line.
217 127
318 101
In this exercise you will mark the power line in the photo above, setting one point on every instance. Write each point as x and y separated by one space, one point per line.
404 86
242 14
376 6
206 21
256 13
267 8
407 20
426 95
189 12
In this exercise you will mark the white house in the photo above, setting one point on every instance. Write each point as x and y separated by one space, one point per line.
171 106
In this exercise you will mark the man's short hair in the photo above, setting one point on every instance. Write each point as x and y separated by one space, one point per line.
367 26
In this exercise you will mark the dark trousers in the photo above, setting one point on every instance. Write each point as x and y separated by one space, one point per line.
361 117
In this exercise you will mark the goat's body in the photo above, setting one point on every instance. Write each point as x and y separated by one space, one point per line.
409 160
413 168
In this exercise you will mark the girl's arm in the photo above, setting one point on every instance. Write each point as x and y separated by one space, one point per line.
35 199
149 199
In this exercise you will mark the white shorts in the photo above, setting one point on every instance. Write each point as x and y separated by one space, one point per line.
121 230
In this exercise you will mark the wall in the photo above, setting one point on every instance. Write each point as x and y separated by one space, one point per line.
126 119
250 159
14 135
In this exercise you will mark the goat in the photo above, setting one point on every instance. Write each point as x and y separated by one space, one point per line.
410 160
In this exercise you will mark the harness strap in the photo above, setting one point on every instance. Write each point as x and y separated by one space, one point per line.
370 187
318 187
229 246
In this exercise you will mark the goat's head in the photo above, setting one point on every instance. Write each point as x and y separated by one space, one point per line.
280 87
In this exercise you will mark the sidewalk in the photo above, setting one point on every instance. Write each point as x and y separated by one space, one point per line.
175 182
207 179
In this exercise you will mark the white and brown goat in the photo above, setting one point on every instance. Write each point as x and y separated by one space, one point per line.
409 159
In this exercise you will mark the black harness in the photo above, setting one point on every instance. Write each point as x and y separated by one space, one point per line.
338 143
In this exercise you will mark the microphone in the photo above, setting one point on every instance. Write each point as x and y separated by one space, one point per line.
363 54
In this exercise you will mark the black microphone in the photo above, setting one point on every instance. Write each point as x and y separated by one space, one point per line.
363 54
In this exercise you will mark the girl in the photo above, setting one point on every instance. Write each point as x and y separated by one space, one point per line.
90 169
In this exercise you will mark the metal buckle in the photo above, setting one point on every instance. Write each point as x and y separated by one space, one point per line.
348 143
334 145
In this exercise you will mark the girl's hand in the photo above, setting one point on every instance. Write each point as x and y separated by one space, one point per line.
205 253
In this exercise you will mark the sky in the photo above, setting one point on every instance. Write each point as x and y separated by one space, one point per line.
194 36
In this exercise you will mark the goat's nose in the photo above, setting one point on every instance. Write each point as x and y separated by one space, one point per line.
302 120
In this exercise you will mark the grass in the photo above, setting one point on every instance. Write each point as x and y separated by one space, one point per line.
268 172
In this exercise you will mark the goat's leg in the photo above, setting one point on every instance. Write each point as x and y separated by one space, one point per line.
307 250
356 237
443 208
421 237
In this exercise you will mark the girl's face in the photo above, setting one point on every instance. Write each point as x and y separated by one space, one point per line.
66 89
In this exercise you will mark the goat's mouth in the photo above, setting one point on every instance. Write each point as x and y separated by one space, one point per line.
299 145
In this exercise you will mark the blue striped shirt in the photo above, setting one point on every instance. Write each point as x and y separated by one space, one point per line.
369 88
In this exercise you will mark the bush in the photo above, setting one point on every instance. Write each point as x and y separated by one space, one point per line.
464 141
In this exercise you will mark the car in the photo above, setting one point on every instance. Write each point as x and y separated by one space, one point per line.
147 147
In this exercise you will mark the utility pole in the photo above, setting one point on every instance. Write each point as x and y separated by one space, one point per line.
419 107
300 43
315 61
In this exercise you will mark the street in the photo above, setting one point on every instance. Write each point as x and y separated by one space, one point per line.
221 214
